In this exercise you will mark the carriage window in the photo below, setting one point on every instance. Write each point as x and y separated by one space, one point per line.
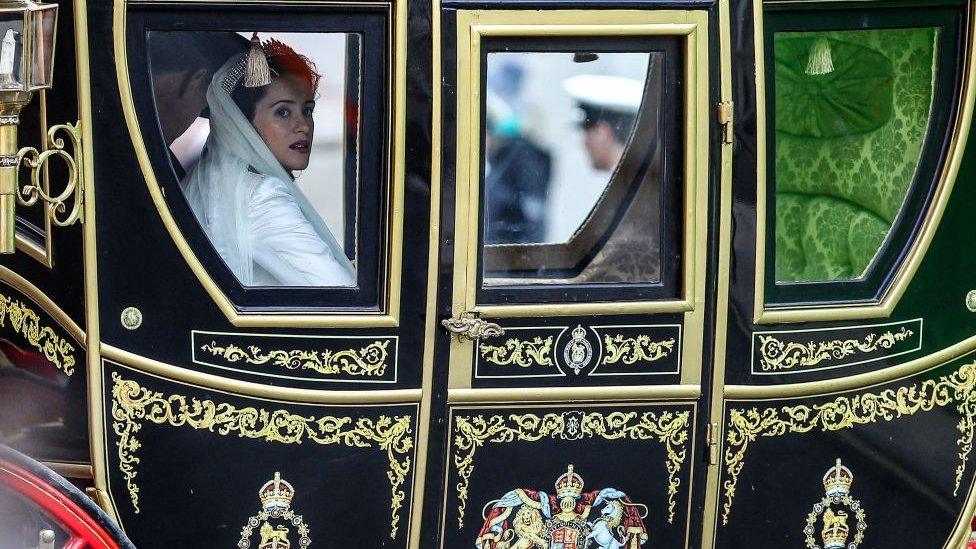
262 130
851 114
572 166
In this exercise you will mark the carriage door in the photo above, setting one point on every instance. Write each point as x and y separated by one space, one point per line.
843 377
249 385
574 196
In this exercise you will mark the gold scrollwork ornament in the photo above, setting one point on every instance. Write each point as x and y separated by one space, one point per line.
844 412
630 350
368 361
26 322
133 404
35 161
532 352
777 355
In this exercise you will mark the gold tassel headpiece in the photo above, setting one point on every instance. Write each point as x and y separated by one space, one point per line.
257 73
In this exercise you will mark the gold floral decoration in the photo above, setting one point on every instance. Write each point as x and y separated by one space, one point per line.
133 404
845 412
366 361
632 349
534 352
669 428
25 321
777 355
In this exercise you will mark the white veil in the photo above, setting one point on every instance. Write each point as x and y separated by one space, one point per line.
218 187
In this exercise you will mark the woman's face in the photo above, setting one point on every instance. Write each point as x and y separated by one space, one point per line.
283 118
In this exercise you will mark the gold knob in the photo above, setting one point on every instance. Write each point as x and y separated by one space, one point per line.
131 318
470 327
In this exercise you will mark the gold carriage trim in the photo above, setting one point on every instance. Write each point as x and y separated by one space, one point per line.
777 355
669 428
631 350
531 352
26 322
746 425
368 361
133 404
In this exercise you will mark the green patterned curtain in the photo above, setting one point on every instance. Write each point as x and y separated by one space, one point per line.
852 108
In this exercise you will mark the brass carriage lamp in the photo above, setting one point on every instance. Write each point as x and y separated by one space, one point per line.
27 33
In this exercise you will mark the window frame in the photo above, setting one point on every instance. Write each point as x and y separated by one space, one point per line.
474 26
876 292
382 35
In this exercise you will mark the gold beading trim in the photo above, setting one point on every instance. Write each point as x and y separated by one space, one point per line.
132 403
367 361
776 355
629 350
25 321
524 353
746 425
670 428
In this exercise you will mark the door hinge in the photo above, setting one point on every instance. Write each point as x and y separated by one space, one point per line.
725 114
711 441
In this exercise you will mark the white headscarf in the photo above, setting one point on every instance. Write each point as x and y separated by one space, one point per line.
218 187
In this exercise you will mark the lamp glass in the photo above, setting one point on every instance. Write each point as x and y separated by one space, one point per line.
44 22
12 50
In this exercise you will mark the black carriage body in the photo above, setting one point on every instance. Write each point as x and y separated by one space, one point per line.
755 327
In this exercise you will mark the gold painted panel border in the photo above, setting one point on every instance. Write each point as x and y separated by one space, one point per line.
368 360
675 430
390 303
132 405
917 248
782 357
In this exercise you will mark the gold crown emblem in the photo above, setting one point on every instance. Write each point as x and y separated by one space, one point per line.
838 479
569 484
276 494
579 332
835 529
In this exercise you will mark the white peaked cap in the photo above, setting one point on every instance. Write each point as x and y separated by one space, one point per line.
616 93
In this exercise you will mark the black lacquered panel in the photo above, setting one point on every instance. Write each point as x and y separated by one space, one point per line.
233 471
569 473
886 466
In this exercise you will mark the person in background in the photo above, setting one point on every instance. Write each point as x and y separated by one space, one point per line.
608 108
517 174
182 65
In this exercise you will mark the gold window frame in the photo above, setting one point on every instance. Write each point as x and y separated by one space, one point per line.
389 305
917 247
692 27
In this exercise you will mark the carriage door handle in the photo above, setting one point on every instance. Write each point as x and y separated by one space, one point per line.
469 326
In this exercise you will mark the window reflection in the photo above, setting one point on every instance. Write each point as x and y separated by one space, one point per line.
257 129
567 195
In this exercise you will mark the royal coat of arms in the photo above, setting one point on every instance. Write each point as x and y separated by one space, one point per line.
834 510
572 519
276 519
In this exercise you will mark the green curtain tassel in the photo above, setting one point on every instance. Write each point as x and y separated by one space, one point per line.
820 61
257 73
